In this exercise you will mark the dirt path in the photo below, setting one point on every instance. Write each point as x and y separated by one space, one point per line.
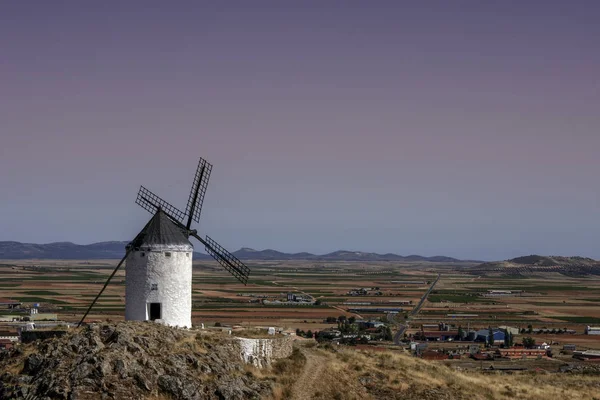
346 311
305 385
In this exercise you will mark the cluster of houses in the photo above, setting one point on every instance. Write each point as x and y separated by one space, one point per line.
21 323
26 332
292 299
476 352
260 295
364 292
280 299
447 332
490 344
359 331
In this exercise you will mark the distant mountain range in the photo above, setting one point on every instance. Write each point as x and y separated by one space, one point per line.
112 250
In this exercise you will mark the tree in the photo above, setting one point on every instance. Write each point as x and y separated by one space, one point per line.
490 338
342 318
318 302
528 342
217 324
309 334
529 329
461 333
344 327
508 339
351 320
387 333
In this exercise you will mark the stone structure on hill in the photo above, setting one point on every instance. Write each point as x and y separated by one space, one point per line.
262 352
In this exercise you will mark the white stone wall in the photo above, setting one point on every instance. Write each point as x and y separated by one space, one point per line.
173 278
262 352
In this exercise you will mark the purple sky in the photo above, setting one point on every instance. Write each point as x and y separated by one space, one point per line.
431 127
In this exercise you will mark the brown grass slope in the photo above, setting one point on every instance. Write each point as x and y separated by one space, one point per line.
349 374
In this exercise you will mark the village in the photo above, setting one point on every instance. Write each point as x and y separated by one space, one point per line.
417 314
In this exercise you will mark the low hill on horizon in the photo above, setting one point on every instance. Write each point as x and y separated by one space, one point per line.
10 250
535 264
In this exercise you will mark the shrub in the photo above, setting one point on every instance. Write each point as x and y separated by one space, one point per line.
290 365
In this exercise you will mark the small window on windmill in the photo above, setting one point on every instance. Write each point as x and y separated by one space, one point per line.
154 286
167 254
187 255
142 254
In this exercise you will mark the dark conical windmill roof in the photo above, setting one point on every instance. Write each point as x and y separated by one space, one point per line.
161 232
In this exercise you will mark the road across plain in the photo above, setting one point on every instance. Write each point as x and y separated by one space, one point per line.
402 327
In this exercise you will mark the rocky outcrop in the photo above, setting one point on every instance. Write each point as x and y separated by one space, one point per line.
129 360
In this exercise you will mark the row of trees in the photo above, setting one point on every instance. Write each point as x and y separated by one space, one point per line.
553 331
308 334
340 319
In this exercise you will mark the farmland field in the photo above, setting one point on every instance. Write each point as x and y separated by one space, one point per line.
543 301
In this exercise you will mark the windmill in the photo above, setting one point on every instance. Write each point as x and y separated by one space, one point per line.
159 259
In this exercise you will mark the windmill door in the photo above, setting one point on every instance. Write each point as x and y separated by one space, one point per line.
154 311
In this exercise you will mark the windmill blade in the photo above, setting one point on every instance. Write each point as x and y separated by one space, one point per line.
194 204
227 260
151 202
103 287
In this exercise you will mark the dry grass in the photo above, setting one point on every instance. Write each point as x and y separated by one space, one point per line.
350 375
253 334
283 373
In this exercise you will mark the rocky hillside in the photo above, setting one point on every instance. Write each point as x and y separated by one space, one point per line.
535 264
149 361
129 361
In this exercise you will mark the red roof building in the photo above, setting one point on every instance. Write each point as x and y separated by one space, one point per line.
521 353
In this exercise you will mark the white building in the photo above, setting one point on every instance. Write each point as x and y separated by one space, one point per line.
592 330
159 274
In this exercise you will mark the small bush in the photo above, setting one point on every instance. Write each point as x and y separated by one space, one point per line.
290 365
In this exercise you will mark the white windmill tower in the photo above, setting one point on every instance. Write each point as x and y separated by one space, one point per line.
158 278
